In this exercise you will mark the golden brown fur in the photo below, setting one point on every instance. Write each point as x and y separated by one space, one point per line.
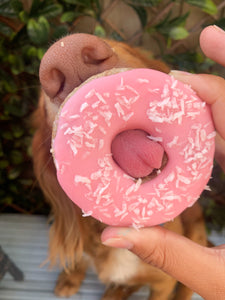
71 235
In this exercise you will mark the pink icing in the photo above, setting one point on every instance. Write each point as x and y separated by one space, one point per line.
173 116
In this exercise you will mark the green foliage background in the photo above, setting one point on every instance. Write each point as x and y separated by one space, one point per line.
28 27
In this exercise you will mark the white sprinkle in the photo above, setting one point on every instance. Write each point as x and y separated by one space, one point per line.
63 113
118 212
130 189
123 216
73 147
96 175
119 109
203 135
171 197
74 117
101 144
121 86
143 212
62 44
133 206
56 164
207 188
173 142
138 184
153 90
211 135
107 115
127 117
170 177
64 125
86 214
89 145
83 106
128 176
143 80
149 213
102 129
94 105
90 94
174 84
100 98
155 138
136 226
155 202
184 179
82 179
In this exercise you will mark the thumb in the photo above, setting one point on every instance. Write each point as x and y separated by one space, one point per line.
199 268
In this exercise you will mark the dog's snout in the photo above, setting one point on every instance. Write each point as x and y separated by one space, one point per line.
72 60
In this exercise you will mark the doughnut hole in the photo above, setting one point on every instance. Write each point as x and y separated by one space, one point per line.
137 155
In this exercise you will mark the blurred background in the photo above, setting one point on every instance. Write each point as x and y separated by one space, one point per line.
168 30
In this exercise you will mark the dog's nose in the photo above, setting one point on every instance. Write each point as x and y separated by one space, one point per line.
72 60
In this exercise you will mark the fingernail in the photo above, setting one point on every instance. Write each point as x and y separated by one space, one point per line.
218 29
177 74
118 243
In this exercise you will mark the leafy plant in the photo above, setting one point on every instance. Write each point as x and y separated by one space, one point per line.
28 27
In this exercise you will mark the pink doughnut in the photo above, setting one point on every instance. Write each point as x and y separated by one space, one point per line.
168 111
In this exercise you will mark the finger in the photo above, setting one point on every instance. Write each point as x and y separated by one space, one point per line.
197 267
210 89
212 42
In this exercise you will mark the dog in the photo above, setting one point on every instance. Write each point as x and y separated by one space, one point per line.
75 241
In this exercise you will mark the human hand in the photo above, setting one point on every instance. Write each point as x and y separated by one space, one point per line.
199 268
211 88
204 268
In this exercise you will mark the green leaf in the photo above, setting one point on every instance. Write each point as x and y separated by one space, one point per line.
31 51
69 16
38 31
207 6
178 33
24 17
167 26
40 53
99 31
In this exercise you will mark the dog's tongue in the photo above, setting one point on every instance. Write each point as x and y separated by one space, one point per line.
136 154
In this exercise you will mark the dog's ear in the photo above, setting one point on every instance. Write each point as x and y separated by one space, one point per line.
66 242
134 57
